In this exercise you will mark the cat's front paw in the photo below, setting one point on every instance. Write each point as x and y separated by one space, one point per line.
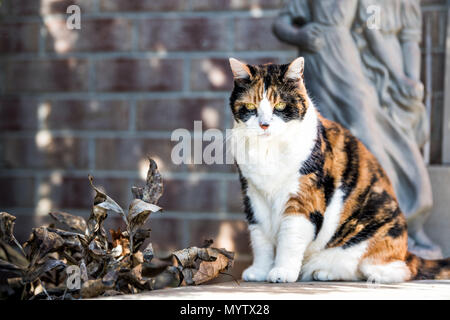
323 275
254 273
280 274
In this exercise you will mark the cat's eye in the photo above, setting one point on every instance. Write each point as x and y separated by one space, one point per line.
250 106
280 106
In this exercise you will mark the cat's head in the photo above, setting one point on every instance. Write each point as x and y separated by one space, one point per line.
266 98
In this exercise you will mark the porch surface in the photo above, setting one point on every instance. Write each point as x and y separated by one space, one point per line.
301 291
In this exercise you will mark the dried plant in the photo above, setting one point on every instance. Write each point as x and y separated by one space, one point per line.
40 269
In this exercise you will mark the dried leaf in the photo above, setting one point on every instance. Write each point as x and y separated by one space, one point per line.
137 258
210 269
8 253
188 275
134 277
121 244
7 226
110 278
207 243
96 250
198 265
9 270
102 203
103 200
139 212
71 222
42 242
155 267
94 268
93 288
117 251
139 237
38 270
148 253
186 257
7 229
154 186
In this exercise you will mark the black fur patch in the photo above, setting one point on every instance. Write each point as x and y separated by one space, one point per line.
397 230
244 114
370 204
315 161
325 137
351 173
367 215
247 203
289 113
328 188
317 219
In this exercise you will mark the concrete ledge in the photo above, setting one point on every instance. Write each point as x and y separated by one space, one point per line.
414 290
437 226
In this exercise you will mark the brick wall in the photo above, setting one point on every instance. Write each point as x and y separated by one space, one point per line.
100 99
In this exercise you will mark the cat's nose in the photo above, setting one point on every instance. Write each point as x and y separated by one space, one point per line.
264 126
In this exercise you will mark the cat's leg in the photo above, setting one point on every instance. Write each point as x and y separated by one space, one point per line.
263 254
384 262
295 234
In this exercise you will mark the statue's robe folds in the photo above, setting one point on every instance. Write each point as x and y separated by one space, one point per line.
336 80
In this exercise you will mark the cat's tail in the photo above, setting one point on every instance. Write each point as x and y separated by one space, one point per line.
422 269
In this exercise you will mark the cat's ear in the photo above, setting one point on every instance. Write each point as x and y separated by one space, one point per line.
240 69
295 69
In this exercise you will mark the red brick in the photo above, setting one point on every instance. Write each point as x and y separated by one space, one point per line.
139 75
142 5
191 196
16 192
192 34
94 35
87 115
131 153
235 202
127 154
35 7
215 74
26 222
18 113
77 193
60 6
24 7
219 5
256 34
166 235
211 74
229 234
55 153
19 37
47 75
171 114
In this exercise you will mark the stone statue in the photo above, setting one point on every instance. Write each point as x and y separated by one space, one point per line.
364 79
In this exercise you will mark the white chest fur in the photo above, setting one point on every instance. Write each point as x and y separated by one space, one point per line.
271 164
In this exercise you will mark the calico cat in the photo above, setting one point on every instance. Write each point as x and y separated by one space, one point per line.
318 204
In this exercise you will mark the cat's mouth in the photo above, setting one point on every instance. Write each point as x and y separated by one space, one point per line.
264 134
